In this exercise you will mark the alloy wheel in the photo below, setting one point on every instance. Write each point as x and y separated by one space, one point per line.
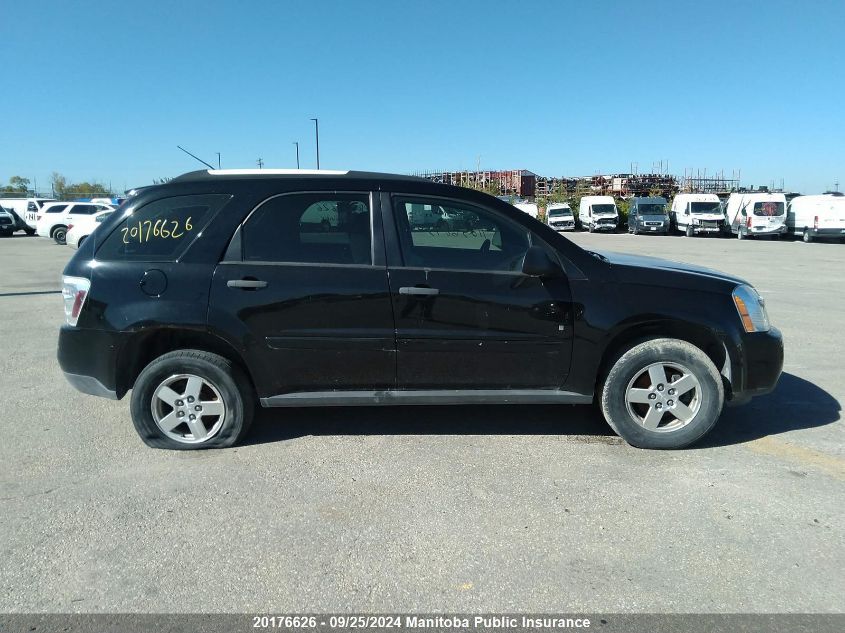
188 408
663 397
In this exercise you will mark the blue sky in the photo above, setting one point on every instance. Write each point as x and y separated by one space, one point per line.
106 90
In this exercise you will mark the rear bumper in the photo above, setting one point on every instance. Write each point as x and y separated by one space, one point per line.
756 364
88 359
826 232
778 231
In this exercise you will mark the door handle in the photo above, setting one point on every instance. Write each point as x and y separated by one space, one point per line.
416 290
250 284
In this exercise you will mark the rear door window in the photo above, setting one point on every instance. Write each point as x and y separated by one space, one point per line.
161 230
768 208
310 228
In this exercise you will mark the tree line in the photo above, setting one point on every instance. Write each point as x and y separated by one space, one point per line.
61 188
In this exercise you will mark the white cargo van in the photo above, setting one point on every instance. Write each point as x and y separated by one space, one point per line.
559 216
598 213
27 208
817 216
695 213
528 207
756 214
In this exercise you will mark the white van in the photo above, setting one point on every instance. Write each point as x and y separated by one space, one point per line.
817 216
528 207
695 213
754 214
559 216
26 208
598 213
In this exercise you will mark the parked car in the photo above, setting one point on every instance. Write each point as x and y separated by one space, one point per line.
817 216
757 214
11 222
559 216
26 208
598 213
648 215
54 218
698 213
529 208
84 226
209 297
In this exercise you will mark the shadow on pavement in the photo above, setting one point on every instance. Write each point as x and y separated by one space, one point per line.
273 425
795 404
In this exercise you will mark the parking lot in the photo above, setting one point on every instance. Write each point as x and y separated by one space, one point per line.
447 509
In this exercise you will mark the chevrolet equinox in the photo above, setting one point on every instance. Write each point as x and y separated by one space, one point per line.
226 289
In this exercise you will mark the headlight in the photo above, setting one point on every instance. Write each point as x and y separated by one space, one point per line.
751 309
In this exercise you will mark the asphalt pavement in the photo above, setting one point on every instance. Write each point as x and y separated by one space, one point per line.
437 509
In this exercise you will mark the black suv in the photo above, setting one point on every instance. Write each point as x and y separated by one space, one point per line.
223 289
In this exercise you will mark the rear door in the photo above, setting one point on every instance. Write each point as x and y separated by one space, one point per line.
466 316
303 287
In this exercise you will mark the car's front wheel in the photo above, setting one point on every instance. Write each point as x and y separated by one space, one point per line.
191 399
662 393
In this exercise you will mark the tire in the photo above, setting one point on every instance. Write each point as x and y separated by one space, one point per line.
631 378
739 234
60 234
590 228
224 387
807 237
30 232
441 226
690 232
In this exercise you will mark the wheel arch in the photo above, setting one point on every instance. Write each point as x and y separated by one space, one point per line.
144 347
696 334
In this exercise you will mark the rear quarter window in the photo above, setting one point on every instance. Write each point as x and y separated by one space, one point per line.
161 230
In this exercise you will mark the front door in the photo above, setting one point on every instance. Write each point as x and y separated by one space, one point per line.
466 316
307 291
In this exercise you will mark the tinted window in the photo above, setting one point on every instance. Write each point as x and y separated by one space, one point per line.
161 230
331 228
84 209
56 208
451 235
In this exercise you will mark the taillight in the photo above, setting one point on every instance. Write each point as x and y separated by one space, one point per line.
37 217
74 292
748 222
816 223
69 227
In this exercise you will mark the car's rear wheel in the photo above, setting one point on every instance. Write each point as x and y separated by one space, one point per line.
30 232
60 234
190 399
807 236
662 393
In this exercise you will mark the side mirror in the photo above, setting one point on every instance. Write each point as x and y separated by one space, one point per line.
537 263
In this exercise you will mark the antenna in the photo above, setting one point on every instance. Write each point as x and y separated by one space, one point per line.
260 163
195 157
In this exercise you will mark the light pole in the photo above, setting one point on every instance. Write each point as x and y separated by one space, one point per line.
317 135
297 153
218 159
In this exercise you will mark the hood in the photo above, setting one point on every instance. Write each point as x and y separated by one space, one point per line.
644 269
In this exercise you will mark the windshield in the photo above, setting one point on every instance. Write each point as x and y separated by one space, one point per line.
604 209
705 207
651 209
560 213
768 208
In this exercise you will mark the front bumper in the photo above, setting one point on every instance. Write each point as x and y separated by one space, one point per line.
756 362
88 359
